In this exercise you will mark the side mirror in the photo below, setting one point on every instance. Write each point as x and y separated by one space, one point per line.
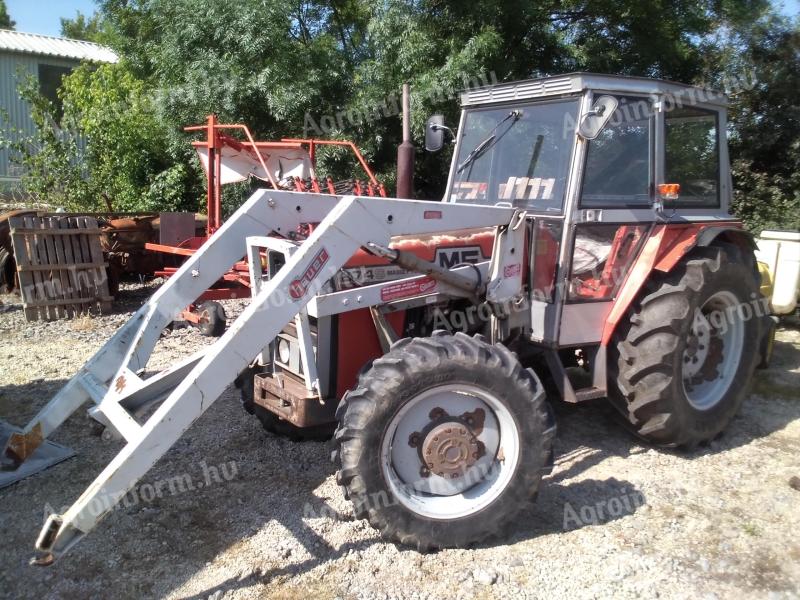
592 122
434 133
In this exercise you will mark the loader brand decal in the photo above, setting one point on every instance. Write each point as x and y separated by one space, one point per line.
450 257
299 286
432 214
512 270
407 289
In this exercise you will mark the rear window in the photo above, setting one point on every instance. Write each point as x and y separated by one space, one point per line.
692 156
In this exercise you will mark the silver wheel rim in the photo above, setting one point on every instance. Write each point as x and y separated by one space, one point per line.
713 351
480 484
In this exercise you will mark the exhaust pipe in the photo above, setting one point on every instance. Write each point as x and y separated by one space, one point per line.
405 153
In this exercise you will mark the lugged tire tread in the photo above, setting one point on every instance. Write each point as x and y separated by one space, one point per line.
405 359
641 371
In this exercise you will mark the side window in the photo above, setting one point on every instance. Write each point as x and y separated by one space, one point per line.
618 165
692 155
601 258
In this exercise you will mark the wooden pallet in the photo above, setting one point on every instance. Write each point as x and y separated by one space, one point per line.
60 266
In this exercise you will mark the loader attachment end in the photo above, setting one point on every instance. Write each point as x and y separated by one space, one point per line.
20 446
54 540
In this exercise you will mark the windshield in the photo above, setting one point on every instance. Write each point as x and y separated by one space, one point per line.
518 155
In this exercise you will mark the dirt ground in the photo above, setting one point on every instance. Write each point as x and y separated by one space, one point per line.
256 516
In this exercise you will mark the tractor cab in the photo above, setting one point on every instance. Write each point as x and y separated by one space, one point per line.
594 161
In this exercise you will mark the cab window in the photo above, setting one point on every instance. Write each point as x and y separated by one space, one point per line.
519 155
618 161
691 158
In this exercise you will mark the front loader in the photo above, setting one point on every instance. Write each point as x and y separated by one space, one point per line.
615 271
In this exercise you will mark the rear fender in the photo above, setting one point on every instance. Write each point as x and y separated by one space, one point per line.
663 250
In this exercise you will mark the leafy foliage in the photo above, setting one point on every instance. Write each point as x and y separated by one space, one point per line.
107 152
765 139
335 68
5 20
84 28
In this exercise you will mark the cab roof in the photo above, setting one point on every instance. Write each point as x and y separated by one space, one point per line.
575 83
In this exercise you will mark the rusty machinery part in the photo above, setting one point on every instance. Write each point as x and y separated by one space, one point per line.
126 234
414 389
212 319
715 349
20 446
449 446
273 423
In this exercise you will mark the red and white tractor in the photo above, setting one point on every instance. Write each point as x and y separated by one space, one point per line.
583 242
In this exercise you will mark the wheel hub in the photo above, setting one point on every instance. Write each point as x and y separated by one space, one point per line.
448 445
450 449
712 352
697 346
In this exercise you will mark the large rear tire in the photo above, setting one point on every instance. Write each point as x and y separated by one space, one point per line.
443 441
680 368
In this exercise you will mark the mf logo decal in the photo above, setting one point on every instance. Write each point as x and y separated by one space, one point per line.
450 257
512 270
299 286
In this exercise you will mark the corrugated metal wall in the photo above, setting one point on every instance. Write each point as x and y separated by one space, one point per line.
11 104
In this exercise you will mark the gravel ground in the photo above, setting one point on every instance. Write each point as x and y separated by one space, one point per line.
266 519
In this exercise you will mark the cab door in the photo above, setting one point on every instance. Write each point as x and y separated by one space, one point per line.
618 181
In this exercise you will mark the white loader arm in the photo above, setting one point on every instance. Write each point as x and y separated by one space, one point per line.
110 378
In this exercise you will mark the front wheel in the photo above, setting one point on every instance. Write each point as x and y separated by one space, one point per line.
443 441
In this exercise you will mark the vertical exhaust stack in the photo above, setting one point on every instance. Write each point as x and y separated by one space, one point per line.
405 153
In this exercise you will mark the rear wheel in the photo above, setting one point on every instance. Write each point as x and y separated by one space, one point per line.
443 441
680 367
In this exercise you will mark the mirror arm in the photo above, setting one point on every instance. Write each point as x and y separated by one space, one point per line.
435 127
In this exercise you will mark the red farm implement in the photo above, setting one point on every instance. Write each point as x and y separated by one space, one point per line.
288 164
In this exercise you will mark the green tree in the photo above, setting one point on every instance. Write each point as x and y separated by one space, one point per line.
765 137
287 68
107 152
82 27
5 20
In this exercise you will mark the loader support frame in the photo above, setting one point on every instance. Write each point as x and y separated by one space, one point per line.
112 378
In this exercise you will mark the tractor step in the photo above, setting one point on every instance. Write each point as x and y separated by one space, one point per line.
590 393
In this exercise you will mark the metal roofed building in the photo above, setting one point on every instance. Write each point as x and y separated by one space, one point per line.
46 58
